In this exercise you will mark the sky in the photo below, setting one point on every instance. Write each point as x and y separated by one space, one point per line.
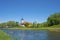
30 10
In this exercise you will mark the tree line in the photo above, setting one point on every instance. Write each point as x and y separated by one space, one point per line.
53 19
9 24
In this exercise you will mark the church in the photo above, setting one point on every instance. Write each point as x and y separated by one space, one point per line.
23 22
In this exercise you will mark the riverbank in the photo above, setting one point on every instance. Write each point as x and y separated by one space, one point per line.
4 36
51 28
43 28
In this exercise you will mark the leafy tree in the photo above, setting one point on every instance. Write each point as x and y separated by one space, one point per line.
38 25
3 24
54 19
11 23
17 23
35 24
26 24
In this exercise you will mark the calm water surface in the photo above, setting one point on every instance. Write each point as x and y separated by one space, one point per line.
33 34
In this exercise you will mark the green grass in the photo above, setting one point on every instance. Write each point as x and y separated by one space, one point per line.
51 28
56 26
4 36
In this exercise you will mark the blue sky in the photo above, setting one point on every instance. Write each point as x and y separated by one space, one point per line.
30 10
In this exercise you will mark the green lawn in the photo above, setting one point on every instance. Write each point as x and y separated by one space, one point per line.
4 36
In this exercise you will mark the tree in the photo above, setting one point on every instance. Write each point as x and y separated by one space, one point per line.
17 23
9 24
54 19
12 23
3 25
35 24
26 24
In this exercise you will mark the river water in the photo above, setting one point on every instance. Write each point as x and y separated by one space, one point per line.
33 34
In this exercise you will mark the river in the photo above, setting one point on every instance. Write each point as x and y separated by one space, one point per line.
32 34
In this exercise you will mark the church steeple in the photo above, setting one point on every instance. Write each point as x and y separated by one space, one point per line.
22 20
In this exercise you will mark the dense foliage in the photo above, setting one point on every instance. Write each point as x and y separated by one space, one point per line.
54 19
9 24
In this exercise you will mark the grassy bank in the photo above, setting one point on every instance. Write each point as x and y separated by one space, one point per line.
4 36
52 28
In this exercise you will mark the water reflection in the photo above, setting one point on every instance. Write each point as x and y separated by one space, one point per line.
33 34
53 35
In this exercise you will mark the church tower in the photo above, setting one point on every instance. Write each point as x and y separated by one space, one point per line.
22 21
